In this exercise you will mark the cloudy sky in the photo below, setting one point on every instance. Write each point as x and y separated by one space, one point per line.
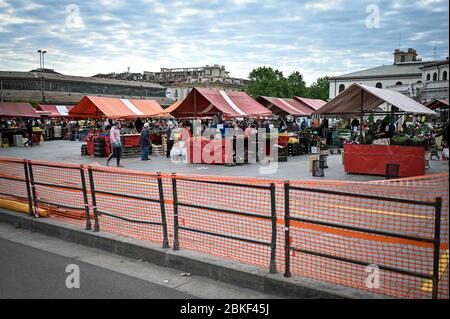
316 37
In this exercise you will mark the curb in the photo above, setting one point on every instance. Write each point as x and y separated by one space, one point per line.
242 275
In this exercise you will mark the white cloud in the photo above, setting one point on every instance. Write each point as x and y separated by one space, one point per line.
324 5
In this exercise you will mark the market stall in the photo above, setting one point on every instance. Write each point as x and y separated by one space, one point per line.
54 117
368 153
12 135
201 103
94 107
296 141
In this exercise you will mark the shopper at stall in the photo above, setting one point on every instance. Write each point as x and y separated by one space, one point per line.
303 124
29 127
324 129
138 124
145 142
116 144
170 139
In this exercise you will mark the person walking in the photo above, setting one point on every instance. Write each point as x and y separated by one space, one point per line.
145 142
170 140
29 127
116 144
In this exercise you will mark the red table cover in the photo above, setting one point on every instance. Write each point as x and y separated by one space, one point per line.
372 159
90 144
201 150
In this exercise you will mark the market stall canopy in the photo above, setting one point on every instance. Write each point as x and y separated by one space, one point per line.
55 110
13 110
202 102
44 113
436 104
349 102
96 107
314 104
283 106
173 107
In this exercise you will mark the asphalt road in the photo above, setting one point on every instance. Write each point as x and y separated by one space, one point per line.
27 272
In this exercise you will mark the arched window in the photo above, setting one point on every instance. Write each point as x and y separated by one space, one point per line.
434 76
428 77
341 88
379 85
444 76
399 83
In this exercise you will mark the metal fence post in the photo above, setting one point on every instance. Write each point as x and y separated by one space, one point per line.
273 244
85 198
176 244
437 245
287 251
33 190
163 211
94 201
27 181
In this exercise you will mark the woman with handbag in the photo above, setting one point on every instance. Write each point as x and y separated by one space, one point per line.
116 144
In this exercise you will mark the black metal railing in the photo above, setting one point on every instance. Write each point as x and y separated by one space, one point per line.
436 241
273 218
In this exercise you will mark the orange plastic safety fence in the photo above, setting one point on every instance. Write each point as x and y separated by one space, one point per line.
131 217
396 217
129 204
12 178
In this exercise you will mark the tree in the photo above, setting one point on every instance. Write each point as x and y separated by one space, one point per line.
319 89
267 82
296 85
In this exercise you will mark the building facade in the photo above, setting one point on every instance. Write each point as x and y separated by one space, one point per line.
421 80
56 88
180 81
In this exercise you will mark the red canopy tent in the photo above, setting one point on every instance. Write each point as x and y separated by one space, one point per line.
436 104
17 110
282 106
202 102
173 107
314 104
96 107
55 110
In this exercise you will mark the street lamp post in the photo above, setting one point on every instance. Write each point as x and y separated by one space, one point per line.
42 66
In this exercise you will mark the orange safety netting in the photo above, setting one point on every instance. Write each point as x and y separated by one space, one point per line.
129 203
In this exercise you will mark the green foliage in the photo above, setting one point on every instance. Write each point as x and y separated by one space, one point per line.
400 140
296 85
268 82
319 89
265 81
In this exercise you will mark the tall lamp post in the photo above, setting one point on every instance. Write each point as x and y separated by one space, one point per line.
42 66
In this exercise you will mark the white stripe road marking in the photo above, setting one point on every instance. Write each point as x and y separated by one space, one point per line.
62 109
131 107
231 103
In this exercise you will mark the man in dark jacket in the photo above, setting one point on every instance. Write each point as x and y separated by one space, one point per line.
30 132
145 142
138 125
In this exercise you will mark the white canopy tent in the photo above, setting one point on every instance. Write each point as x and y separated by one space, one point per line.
359 98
